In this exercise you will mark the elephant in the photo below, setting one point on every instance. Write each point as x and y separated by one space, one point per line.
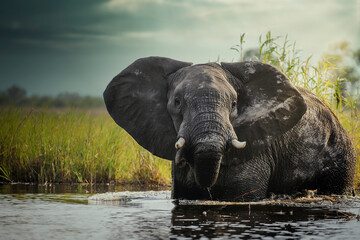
237 131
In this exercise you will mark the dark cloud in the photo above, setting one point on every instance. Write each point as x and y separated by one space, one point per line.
78 45
30 26
39 26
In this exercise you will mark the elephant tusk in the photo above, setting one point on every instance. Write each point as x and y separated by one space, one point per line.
238 144
180 143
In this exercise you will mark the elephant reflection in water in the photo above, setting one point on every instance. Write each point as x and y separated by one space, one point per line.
196 221
235 131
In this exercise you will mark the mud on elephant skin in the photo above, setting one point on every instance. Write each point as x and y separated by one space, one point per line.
235 131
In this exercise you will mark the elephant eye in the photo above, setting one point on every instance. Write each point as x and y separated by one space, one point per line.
233 105
177 102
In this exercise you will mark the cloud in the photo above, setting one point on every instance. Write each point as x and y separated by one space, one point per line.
64 25
130 5
24 24
110 34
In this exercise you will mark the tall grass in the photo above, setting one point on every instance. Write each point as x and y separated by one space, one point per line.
73 146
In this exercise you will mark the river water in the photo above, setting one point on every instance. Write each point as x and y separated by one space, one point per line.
77 212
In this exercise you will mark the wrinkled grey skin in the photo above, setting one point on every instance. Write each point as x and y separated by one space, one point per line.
293 140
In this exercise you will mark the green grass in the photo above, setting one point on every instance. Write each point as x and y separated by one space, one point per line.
351 123
73 146
87 146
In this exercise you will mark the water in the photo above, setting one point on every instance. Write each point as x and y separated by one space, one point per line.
64 212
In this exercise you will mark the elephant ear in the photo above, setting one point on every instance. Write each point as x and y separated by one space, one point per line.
137 98
268 104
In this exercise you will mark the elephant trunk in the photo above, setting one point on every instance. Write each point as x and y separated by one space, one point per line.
209 146
209 140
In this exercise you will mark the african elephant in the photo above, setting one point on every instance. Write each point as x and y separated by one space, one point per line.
236 131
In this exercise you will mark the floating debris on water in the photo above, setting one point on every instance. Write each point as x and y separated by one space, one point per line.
313 201
320 200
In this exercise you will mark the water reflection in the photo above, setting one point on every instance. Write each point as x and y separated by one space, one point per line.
254 221
32 212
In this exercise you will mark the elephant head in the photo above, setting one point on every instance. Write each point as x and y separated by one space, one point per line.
203 115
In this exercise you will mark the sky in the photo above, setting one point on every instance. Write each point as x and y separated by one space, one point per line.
51 47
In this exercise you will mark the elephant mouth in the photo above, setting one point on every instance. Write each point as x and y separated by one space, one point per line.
207 168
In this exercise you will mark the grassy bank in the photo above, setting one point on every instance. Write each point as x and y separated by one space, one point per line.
73 146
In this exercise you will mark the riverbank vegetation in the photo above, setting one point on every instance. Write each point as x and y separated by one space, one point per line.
72 145
85 145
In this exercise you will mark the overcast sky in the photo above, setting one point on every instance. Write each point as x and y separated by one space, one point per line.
48 47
